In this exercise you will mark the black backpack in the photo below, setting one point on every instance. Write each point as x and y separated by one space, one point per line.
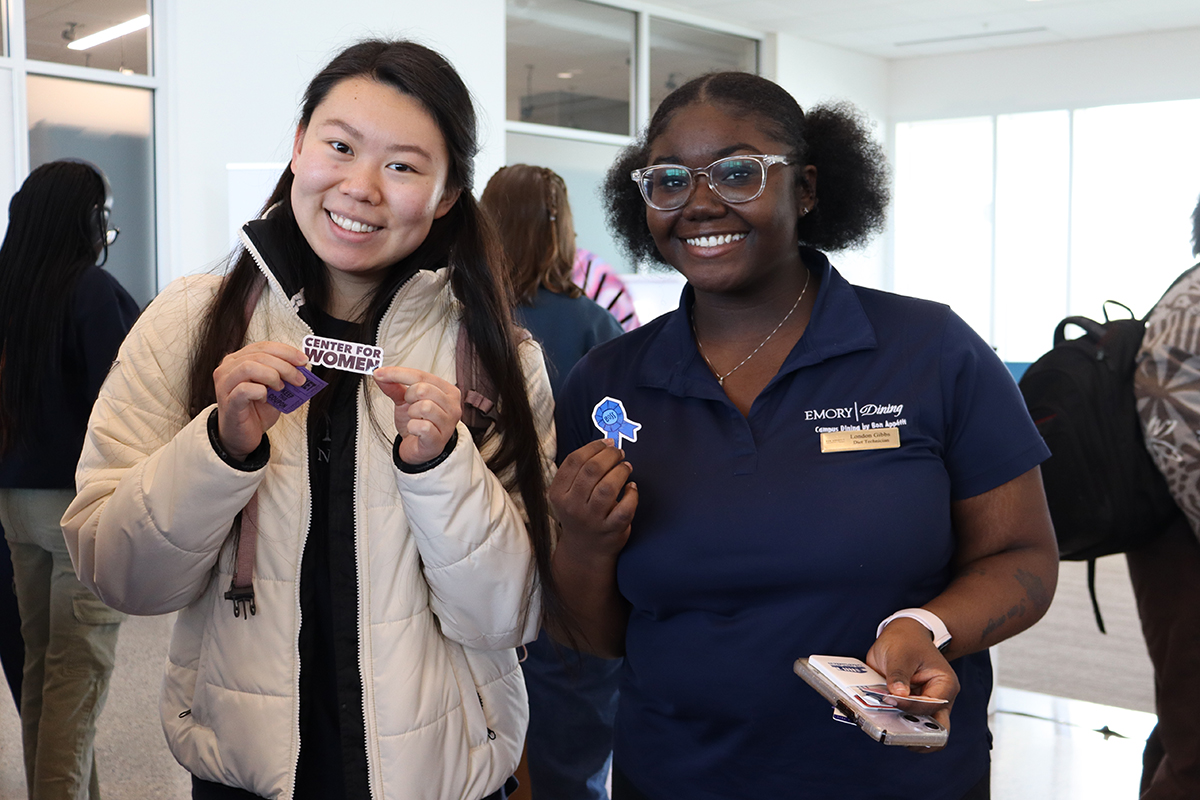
1105 493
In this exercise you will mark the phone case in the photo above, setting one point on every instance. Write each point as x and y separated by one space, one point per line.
886 725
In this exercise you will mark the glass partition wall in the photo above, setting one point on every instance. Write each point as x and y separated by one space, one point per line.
82 84
583 78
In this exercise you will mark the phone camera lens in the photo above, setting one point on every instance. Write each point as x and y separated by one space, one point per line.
933 726
911 718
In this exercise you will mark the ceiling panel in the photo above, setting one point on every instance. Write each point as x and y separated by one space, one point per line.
908 28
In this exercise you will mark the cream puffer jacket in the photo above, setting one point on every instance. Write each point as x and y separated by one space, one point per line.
444 563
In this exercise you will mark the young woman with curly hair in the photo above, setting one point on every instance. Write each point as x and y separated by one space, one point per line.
753 532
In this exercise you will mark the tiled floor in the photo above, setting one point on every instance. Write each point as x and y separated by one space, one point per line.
1046 748
1053 748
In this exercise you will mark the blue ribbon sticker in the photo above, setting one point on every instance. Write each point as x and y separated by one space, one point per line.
609 416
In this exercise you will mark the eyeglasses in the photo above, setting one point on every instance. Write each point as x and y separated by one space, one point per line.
735 179
110 236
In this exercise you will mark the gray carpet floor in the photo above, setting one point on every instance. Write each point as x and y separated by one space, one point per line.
1064 655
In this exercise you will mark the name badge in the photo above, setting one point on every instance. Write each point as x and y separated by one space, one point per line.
844 441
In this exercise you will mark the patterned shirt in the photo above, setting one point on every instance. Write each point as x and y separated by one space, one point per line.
1167 385
600 282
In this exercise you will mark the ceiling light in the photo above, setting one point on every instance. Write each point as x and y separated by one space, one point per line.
108 34
965 36
566 75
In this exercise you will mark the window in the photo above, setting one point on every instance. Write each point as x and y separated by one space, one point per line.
111 126
570 65
943 219
1020 220
584 77
1136 178
102 34
681 52
96 103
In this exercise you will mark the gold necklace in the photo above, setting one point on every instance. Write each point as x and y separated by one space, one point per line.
700 347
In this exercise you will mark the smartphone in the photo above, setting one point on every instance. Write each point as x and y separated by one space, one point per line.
858 695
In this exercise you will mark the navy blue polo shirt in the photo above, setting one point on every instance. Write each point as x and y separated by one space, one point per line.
751 548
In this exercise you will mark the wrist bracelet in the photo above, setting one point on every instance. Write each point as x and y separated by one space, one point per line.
941 634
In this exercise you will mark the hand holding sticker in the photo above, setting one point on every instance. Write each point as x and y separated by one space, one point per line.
242 381
289 398
427 410
610 417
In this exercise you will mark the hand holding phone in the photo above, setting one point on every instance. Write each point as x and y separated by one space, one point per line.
859 694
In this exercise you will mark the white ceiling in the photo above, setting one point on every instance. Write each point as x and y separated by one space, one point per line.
908 28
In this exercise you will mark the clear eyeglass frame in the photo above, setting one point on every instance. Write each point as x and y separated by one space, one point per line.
639 177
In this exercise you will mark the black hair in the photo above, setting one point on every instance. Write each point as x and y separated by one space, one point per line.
462 239
50 242
1196 230
852 172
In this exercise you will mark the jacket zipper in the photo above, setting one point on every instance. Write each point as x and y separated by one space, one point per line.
369 723
271 280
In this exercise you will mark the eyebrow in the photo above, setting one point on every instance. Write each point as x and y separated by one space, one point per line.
722 153
391 148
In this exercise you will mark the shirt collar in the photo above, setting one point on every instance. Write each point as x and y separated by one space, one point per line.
838 326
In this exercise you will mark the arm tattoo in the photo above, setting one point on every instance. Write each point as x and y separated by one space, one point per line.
1035 591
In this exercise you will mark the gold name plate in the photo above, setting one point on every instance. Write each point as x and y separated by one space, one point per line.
843 441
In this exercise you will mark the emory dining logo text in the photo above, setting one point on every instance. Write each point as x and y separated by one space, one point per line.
855 417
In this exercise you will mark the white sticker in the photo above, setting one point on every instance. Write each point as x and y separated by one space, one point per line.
346 356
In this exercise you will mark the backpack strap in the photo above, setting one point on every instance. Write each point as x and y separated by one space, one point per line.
478 391
1091 562
241 589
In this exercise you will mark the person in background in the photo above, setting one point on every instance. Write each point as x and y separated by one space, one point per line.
1165 572
755 530
572 696
62 319
602 283
12 648
366 646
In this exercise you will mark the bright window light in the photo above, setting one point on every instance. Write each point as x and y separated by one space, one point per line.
943 220
108 34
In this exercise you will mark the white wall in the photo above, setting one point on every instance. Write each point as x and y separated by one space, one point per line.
235 73
814 73
1123 69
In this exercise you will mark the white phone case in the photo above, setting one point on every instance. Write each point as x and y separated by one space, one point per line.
841 680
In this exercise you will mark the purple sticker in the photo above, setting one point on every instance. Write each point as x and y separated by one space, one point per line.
289 398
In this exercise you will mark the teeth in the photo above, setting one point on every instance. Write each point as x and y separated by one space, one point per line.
351 225
713 241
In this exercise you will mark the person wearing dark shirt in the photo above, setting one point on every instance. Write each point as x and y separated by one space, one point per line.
572 696
788 465
62 319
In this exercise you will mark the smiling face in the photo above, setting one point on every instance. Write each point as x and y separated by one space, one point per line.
728 248
370 178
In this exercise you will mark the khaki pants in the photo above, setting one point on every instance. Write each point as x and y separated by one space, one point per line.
70 647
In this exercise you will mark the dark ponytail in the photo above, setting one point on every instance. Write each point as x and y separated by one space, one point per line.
852 171
461 239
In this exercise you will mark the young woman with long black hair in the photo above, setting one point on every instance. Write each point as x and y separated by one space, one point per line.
396 563
61 321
